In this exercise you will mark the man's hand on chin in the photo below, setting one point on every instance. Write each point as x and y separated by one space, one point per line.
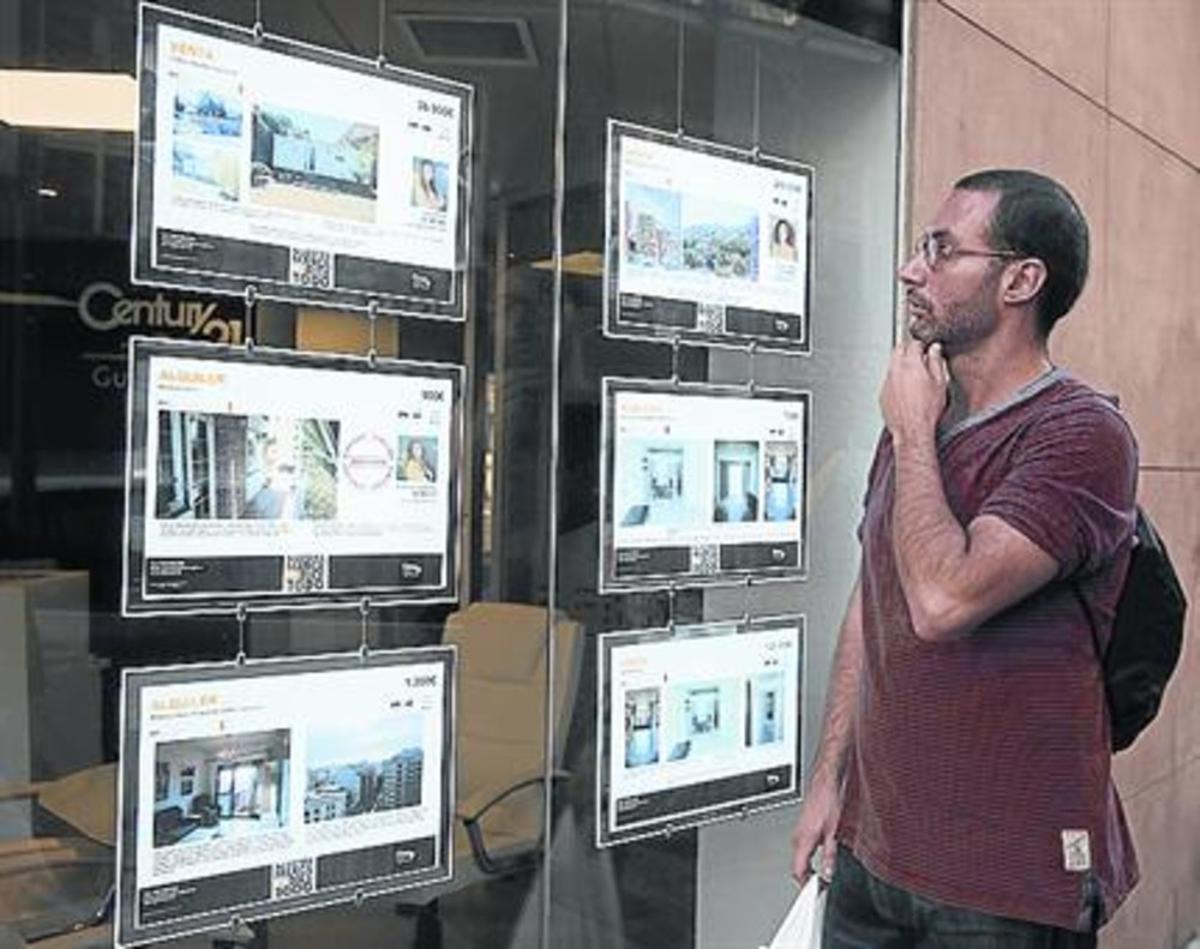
915 391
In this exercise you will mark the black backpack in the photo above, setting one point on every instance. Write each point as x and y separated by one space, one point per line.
1147 636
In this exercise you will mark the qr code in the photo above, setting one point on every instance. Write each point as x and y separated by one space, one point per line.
312 268
706 559
293 878
304 573
710 318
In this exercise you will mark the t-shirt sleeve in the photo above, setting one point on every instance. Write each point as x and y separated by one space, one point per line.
1072 485
882 452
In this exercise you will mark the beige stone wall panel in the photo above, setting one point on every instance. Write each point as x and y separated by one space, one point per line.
1145 920
1067 37
1187 858
1153 68
1149 336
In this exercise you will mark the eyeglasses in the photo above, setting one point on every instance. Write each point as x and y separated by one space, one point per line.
935 251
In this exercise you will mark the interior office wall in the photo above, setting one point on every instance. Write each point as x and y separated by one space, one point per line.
832 101
1101 95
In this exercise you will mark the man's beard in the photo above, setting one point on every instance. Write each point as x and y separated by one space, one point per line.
959 325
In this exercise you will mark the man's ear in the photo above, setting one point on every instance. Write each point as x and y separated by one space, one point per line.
1023 280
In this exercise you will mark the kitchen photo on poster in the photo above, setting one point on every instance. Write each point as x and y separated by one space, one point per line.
279 785
705 241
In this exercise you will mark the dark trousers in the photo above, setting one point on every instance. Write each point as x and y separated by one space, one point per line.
863 912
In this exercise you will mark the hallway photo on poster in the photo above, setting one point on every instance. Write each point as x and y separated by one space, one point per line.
736 480
781 481
643 726
237 467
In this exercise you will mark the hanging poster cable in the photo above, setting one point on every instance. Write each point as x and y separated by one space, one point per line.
679 52
239 934
372 324
243 616
364 612
755 131
250 296
381 58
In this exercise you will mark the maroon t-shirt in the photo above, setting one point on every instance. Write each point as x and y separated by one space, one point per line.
980 770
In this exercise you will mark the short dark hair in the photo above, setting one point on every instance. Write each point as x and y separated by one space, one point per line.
1037 217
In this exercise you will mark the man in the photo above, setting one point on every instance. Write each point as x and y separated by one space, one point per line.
961 794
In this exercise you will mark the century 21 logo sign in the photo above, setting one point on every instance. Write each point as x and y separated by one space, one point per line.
104 307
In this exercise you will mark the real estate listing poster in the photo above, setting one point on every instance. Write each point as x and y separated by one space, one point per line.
702 484
278 785
706 241
697 724
310 174
274 478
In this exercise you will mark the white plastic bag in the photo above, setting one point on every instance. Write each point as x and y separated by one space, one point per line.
801 927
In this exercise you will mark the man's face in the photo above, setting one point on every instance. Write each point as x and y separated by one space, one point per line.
954 303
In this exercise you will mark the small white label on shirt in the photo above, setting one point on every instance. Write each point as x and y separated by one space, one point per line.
1077 851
